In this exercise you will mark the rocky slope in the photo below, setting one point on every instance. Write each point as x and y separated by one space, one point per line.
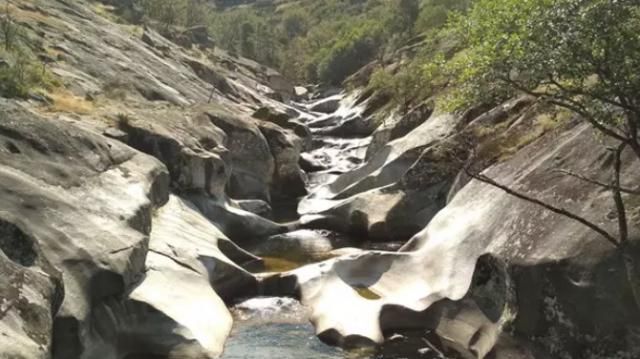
132 195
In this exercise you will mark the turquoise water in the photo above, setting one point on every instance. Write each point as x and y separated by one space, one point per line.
297 341
278 328
272 327
278 340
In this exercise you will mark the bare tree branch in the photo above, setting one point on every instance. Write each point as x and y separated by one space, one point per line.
576 92
569 104
561 211
596 182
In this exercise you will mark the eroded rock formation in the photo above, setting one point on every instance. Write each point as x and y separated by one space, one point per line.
128 206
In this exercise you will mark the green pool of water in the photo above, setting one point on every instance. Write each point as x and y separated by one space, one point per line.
278 341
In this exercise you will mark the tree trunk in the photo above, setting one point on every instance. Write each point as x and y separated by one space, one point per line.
632 124
632 269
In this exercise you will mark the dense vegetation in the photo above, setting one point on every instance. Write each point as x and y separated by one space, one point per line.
462 53
582 56
309 40
20 69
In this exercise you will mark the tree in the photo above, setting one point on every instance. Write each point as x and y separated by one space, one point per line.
408 13
295 24
406 86
196 12
167 12
247 40
24 74
559 52
620 241
354 49
8 27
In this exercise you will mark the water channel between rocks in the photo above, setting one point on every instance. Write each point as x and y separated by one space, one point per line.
271 327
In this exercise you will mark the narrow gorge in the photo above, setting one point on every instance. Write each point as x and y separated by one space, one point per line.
168 199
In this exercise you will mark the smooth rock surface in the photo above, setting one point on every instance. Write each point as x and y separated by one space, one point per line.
84 203
392 195
439 282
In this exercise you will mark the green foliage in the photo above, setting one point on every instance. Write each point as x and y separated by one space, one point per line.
295 23
405 86
424 73
308 40
353 50
558 51
20 70
434 13
319 41
247 34
168 13
196 12
21 73
407 14
9 30
431 17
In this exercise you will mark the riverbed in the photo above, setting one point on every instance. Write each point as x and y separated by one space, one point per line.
270 327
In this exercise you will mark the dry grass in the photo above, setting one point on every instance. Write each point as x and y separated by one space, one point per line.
134 30
106 11
501 143
30 16
65 101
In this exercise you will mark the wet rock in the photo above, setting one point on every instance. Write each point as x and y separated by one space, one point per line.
493 275
284 120
188 316
258 207
355 126
327 105
301 246
311 164
395 193
239 225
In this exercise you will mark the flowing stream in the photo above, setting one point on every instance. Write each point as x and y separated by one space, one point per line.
270 327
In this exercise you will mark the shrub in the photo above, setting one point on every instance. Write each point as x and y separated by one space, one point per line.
356 49
8 28
21 74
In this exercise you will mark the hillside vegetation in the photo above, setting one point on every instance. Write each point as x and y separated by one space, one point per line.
434 179
21 71
307 40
